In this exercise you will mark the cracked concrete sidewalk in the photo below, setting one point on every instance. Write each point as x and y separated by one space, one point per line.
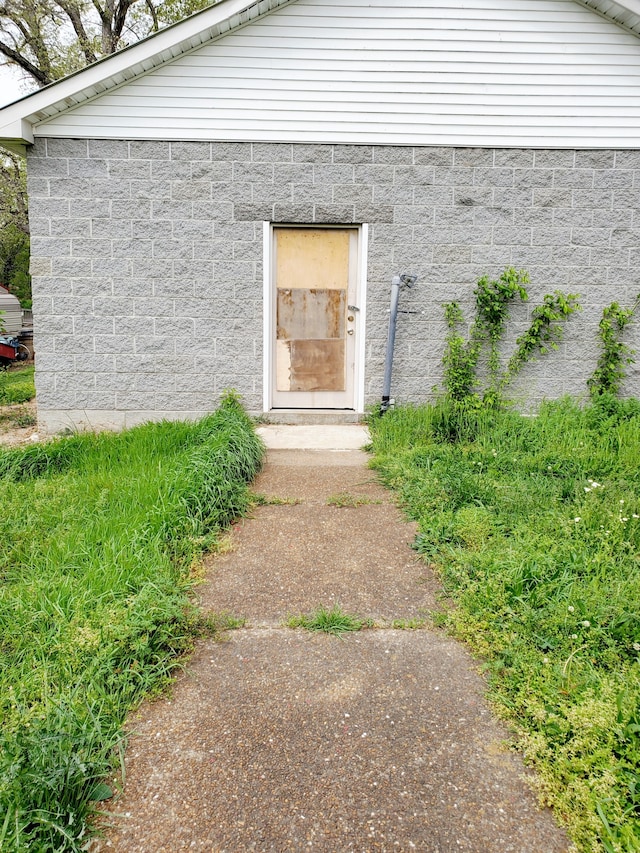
281 740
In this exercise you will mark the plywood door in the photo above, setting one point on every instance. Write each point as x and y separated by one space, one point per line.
315 276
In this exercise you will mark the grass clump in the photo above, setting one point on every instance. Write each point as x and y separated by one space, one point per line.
16 386
16 416
100 534
333 621
259 499
344 499
533 525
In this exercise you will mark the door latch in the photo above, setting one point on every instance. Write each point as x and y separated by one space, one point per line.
353 308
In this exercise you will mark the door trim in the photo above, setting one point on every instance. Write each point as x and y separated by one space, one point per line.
268 311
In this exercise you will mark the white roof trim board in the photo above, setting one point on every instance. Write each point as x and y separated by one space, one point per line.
17 121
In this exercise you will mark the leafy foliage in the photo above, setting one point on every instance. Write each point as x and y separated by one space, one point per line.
460 357
544 331
48 39
493 299
614 354
14 228
14 263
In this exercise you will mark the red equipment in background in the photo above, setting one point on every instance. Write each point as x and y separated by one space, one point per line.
12 350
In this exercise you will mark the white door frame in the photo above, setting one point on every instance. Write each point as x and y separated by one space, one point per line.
268 325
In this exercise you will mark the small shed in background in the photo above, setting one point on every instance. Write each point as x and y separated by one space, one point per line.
10 312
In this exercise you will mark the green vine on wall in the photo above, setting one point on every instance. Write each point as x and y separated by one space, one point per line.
614 354
544 332
460 358
493 302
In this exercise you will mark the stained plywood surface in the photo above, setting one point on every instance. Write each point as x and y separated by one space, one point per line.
311 365
310 314
312 258
317 365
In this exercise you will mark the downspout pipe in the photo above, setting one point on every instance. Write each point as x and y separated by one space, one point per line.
397 282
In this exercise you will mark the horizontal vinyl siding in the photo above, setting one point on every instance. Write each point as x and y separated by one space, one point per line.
543 73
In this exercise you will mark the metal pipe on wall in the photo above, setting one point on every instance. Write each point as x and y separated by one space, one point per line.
397 282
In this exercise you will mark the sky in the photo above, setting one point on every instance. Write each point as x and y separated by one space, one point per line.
10 86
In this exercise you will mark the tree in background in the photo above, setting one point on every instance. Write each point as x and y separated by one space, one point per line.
14 228
46 40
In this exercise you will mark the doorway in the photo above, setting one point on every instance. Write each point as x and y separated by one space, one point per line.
315 321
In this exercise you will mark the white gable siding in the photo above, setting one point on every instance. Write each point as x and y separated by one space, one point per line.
480 73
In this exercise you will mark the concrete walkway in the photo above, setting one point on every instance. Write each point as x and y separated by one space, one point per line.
282 740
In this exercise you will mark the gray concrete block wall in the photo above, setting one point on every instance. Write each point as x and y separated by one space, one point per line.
147 260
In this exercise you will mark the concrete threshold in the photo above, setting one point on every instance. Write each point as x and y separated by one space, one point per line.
314 437
312 417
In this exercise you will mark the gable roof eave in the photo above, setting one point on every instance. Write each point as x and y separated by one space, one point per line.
625 13
17 119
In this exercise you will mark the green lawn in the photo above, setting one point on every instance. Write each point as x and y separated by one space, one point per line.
16 385
533 525
100 539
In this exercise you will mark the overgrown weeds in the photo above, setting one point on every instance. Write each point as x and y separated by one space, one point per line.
534 527
99 536
329 621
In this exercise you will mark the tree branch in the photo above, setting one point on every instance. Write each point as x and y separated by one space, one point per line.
73 13
104 18
41 78
120 17
154 15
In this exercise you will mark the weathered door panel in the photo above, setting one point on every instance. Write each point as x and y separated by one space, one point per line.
315 277
310 314
313 365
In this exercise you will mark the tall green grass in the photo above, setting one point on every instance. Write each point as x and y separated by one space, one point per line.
17 385
534 527
98 537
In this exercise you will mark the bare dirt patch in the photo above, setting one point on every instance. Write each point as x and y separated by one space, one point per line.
18 424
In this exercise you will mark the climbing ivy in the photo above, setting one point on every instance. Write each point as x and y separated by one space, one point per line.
614 354
460 357
493 301
544 331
